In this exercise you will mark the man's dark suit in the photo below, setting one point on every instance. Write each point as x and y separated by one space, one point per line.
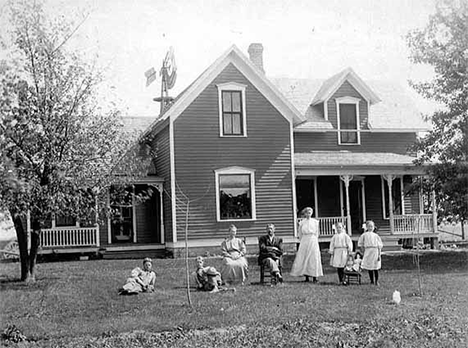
271 251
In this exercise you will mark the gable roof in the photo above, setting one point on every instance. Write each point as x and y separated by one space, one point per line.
232 56
396 111
330 86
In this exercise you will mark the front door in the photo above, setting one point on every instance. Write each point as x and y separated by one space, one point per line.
356 205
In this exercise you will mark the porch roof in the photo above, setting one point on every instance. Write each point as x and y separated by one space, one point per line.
341 162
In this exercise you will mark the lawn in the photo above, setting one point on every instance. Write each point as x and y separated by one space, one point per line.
75 304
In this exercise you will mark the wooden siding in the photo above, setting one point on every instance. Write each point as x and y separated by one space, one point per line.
103 231
163 169
347 90
199 151
370 142
411 197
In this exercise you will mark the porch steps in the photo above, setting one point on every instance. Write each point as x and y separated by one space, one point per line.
390 243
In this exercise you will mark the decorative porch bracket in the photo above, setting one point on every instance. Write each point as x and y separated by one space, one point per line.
389 178
160 189
346 179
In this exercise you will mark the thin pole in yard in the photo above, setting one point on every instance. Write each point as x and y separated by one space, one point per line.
187 274
417 255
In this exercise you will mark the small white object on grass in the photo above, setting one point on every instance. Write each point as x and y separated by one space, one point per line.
396 297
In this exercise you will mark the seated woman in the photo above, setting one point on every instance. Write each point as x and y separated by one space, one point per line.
141 280
235 267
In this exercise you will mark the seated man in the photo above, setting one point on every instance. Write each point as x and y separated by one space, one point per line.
271 249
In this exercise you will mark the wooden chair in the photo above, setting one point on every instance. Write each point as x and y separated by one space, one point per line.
265 271
351 277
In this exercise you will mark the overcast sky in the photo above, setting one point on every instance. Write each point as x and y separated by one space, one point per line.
301 38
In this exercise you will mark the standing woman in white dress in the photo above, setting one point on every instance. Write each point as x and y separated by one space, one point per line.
341 246
308 261
372 245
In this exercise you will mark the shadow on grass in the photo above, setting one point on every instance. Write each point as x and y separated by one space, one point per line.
13 284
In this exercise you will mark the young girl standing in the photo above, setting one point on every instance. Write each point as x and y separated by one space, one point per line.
372 245
340 247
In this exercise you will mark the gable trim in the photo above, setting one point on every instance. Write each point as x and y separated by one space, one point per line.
255 77
361 87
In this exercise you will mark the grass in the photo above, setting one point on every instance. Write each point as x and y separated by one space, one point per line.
75 304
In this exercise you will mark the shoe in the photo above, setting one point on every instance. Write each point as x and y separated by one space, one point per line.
376 283
280 278
314 280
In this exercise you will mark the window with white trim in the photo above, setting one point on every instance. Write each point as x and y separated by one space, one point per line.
232 117
397 197
235 194
347 109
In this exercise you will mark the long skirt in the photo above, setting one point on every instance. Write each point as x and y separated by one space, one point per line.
234 271
308 261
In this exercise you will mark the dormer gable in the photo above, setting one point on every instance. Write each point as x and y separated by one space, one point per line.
331 85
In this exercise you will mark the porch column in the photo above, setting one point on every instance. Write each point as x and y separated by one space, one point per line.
346 179
161 210
434 212
96 205
28 229
389 178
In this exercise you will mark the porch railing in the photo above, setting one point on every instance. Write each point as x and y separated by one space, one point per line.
70 237
413 223
326 224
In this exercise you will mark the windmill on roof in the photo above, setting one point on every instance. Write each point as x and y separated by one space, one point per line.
168 75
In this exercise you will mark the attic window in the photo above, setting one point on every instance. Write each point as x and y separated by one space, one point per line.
232 117
348 121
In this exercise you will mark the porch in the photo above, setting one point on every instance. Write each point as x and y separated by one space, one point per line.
405 226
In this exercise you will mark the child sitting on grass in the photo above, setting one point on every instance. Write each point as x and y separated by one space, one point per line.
141 280
208 278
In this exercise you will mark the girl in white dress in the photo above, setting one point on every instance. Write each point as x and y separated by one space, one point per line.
372 245
308 261
341 246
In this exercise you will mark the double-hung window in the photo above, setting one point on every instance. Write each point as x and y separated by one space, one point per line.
235 194
348 121
232 117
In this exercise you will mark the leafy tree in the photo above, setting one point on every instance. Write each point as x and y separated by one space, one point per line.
59 145
443 44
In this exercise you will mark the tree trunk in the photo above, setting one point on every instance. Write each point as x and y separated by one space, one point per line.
463 229
22 236
35 242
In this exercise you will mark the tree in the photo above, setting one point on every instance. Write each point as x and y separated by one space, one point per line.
443 44
59 145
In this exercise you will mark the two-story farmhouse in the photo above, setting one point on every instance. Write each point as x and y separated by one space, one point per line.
237 147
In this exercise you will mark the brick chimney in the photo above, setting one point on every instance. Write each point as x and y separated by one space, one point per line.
256 55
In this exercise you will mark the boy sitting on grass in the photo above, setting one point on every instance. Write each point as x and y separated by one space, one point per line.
208 278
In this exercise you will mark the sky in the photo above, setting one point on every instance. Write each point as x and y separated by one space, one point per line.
301 39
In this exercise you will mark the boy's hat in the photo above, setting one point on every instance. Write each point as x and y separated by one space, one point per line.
147 259
199 258
212 271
